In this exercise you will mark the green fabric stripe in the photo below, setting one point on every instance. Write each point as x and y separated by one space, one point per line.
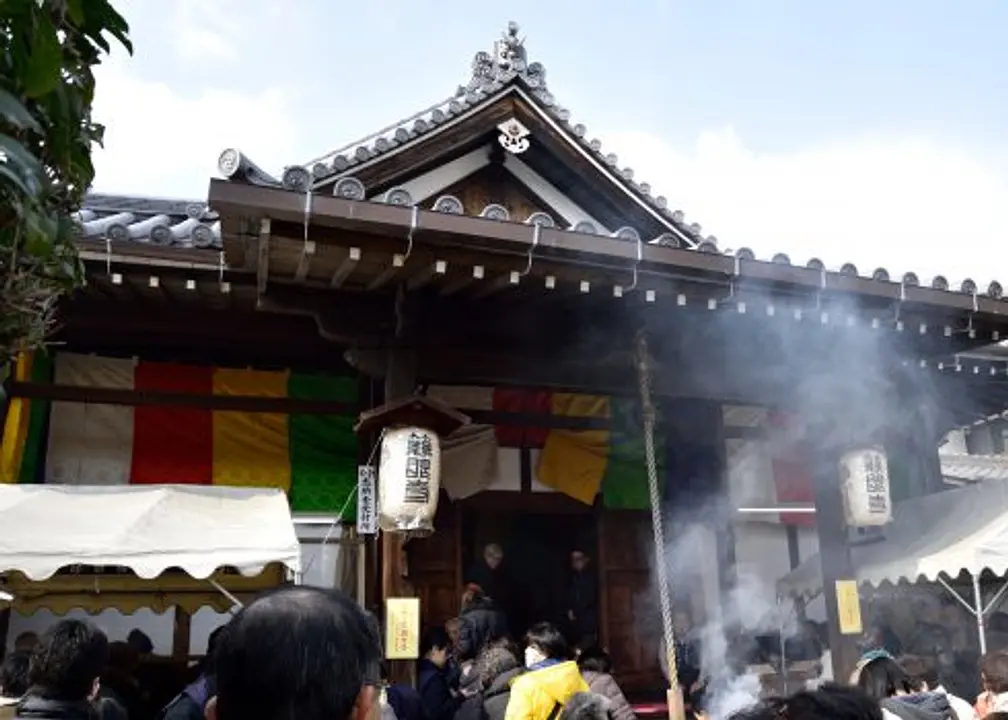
323 448
38 419
625 484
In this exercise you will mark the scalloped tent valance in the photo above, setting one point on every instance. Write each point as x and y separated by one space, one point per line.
940 534
147 529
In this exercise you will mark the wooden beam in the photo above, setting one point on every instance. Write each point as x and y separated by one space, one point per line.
304 262
140 398
398 260
262 255
436 269
346 267
464 281
511 279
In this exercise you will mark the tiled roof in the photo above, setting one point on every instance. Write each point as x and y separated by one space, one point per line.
178 223
492 75
973 468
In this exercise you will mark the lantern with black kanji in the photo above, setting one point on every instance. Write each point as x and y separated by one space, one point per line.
409 480
864 474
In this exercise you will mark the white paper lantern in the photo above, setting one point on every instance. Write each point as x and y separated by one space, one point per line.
409 480
864 474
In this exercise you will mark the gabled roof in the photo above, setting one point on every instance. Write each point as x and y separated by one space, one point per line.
494 75
506 75
153 221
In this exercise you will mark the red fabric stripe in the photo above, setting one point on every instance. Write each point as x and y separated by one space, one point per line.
522 401
171 444
792 476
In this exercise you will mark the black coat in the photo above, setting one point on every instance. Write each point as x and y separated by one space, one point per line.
582 600
435 692
479 624
492 703
494 584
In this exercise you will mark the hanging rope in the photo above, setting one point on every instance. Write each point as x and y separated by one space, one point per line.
648 411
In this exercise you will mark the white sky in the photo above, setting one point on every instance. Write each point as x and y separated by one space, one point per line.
201 82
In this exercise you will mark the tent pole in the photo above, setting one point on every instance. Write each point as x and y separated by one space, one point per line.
978 611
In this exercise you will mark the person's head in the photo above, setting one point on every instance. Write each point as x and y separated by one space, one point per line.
453 627
829 702
123 658
26 641
544 641
923 673
298 653
14 674
140 641
994 672
434 646
586 706
578 560
494 661
682 621
67 661
882 678
493 555
594 659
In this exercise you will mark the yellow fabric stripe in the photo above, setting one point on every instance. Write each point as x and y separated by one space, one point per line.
574 461
15 431
250 449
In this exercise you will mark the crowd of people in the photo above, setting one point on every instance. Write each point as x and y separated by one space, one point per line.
301 653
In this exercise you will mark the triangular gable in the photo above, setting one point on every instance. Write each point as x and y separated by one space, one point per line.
507 117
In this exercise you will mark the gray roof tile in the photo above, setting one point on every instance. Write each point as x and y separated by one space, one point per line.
157 221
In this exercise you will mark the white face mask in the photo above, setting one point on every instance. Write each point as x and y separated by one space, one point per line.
533 657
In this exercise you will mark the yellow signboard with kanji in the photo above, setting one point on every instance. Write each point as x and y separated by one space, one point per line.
848 607
402 628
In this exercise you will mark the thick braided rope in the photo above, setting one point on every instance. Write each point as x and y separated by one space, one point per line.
648 410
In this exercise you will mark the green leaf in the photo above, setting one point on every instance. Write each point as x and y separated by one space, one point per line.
15 113
15 158
45 61
12 177
75 11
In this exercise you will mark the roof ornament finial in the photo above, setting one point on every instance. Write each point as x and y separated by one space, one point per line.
507 61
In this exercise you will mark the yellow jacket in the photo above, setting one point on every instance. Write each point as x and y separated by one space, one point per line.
536 694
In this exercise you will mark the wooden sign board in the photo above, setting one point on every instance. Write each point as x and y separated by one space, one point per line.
402 628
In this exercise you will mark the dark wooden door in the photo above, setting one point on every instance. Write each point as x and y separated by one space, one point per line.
435 567
631 625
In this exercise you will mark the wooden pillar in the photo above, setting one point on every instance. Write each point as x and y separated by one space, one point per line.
5 615
835 556
400 381
181 635
696 482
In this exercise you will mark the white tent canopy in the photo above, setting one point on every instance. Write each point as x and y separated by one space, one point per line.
945 533
148 529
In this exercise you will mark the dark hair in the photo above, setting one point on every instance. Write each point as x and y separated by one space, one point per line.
492 662
586 706
882 678
994 667
14 673
594 659
829 702
996 716
140 641
297 653
208 666
549 639
434 639
68 658
922 673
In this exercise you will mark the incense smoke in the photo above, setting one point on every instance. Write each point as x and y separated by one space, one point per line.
842 381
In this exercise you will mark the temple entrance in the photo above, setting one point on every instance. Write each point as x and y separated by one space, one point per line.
537 550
